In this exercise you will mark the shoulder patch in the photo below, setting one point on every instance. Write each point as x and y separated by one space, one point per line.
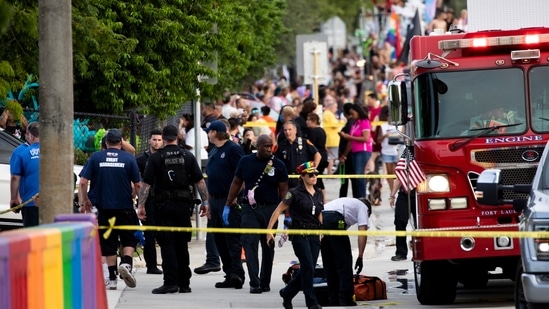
288 195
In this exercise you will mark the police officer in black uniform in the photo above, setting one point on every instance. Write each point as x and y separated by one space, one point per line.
149 249
265 182
173 172
305 204
294 150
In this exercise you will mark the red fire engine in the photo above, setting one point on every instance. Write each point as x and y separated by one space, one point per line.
478 100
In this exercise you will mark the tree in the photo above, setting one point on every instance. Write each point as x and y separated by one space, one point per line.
147 54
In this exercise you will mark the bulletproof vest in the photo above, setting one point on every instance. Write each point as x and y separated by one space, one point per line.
175 177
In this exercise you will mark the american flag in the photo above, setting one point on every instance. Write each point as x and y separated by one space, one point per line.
415 176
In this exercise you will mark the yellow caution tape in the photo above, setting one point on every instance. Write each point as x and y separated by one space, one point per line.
414 233
350 176
16 208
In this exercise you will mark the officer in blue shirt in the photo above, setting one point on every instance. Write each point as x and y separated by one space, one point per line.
266 182
112 173
25 172
222 163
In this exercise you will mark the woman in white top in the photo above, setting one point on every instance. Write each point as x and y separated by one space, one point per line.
186 125
388 137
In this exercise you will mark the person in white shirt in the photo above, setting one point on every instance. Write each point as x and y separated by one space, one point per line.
186 124
389 138
337 255
229 107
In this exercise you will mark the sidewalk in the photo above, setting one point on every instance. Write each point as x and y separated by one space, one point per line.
205 295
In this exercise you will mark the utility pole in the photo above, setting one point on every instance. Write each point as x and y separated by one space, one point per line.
56 108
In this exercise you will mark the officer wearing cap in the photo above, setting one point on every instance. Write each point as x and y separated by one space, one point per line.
337 256
222 163
305 204
294 150
173 172
112 172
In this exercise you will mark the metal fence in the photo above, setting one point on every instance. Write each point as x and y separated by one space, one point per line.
89 128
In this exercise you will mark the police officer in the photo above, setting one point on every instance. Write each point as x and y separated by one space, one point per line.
265 182
173 172
112 172
149 249
305 204
222 163
294 150
402 215
337 256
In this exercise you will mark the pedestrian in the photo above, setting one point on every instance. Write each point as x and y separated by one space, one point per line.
149 249
402 215
265 181
317 136
337 255
222 163
208 111
389 139
360 145
172 172
305 204
111 174
294 150
346 166
331 126
25 175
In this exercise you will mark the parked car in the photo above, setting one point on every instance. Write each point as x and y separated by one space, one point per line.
7 144
532 274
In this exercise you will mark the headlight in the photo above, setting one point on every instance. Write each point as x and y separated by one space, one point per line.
541 244
438 183
542 248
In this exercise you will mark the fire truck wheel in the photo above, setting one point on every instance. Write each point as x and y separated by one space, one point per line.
435 282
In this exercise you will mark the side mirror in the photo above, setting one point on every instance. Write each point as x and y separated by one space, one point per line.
488 187
490 190
398 103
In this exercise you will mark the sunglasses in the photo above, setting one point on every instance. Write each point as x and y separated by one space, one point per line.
311 174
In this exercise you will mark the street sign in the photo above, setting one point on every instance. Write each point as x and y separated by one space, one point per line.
315 68
299 41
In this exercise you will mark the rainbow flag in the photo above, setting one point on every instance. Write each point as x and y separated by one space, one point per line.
393 34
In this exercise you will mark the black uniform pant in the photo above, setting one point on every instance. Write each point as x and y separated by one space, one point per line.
337 259
349 169
149 249
257 217
402 216
174 245
306 248
229 245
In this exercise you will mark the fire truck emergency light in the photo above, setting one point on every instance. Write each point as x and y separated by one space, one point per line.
494 41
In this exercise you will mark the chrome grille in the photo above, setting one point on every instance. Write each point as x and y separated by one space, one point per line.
515 176
506 155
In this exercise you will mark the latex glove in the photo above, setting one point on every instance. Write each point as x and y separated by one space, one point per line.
358 265
225 216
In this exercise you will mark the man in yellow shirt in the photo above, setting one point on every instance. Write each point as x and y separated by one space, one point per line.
331 126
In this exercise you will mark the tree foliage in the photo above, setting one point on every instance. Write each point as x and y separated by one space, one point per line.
147 54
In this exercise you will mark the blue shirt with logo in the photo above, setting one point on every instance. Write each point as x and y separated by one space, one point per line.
25 162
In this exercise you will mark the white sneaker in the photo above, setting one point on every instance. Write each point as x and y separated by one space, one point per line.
111 284
125 271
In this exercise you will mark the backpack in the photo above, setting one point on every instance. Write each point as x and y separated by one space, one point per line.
369 288
174 177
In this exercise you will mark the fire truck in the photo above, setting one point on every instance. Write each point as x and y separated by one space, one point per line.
473 101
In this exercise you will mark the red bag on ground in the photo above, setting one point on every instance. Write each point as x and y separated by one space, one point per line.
369 288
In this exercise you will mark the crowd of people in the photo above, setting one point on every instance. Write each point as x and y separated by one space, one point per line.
249 145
